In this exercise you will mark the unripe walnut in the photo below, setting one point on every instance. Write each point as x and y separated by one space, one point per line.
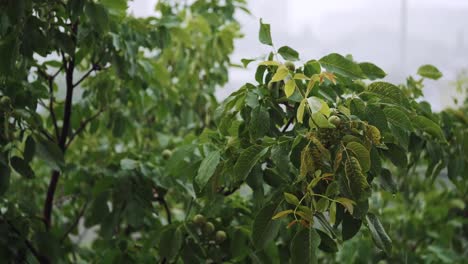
220 236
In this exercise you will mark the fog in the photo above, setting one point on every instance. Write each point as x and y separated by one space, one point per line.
432 32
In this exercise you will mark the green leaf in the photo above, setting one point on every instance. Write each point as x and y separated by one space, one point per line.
246 62
170 242
259 122
350 226
386 91
304 246
128 164
376 117
398 118
290 87
97 15
50 153
327 244
428 126
312 67
361 153
264 34
291 198
247 160
397 155
372 71
380 237
430 72
386 181
207 168
280 74
338 64
22 167
29 149
288 53
4 178
264 228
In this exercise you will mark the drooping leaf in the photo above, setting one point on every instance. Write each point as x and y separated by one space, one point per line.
380 237
170 242
288 53
247 160
304 246
259 122
428 126
429 71
22 167
282 214
50 153
207 168
327 244
264 34
361 153
338 64
356 180
289 87
300 111
264 228
350 226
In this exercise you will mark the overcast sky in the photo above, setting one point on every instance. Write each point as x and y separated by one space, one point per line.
370 30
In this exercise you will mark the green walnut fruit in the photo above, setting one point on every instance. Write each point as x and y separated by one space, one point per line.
199 220
290 66
5 101
334 120
220 236
208 228
166 154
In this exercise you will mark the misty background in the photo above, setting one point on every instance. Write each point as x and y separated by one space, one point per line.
396 35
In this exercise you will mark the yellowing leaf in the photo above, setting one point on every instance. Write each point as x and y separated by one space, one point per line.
270 63
289 87
300 111
280 74
282 214
347 203
300 76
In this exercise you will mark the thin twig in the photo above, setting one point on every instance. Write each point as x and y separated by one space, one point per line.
84 76
83 126
77 220
51 106
288 124
163 202
28 243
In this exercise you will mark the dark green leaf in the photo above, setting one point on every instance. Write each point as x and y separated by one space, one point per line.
247 160
304 246
22 167
380 237
170 242
50 153
264 228
264 34
288 53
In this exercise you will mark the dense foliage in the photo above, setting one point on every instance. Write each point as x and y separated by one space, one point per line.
115 150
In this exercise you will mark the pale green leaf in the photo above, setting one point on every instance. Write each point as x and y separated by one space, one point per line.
289 87
429 71
280 74
338 64
207 168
